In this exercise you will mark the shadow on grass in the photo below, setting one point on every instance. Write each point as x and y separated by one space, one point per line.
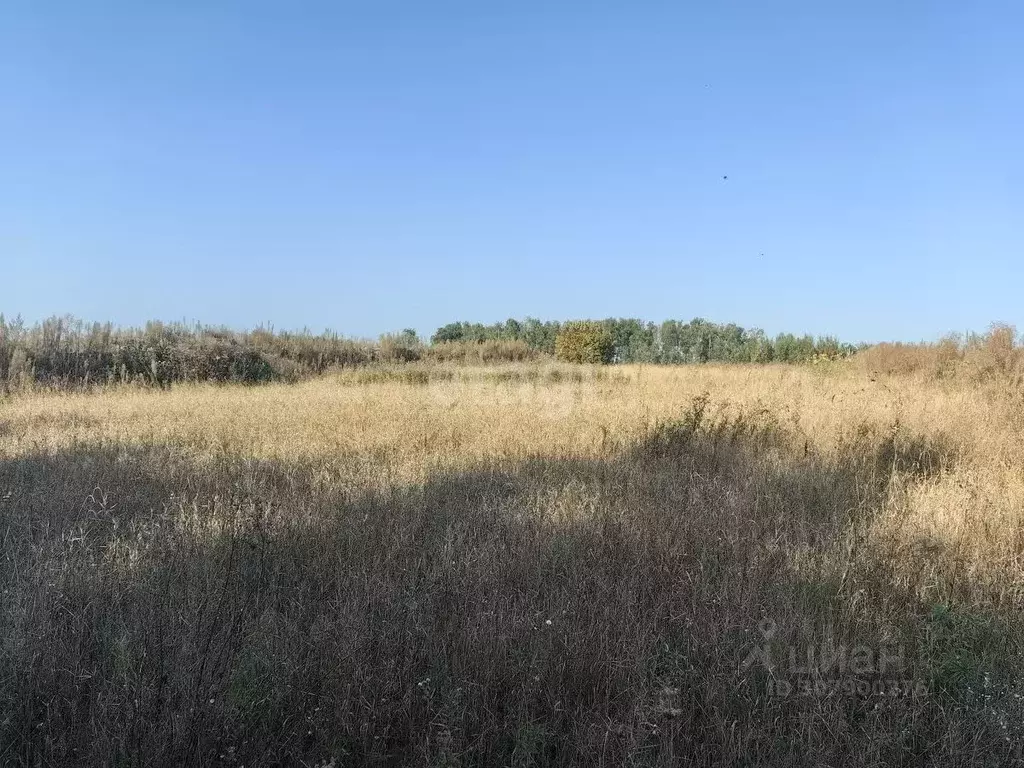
555 611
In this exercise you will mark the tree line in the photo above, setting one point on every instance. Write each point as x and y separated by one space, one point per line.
67 352
64 351
672 341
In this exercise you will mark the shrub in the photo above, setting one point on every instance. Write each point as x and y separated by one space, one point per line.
994 356
493 351
584 342
996 353
399 348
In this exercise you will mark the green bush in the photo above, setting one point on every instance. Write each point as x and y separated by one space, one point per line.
584 342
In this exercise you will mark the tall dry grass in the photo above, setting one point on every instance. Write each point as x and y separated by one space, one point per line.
993 356
515 565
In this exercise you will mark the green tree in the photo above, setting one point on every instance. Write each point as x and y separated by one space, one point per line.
513 330
450 332
584 342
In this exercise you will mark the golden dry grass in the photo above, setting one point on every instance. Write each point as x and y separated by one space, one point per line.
362 567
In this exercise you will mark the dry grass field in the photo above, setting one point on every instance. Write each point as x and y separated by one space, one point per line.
516 565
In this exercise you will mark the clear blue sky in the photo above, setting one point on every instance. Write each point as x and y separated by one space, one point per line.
367 166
